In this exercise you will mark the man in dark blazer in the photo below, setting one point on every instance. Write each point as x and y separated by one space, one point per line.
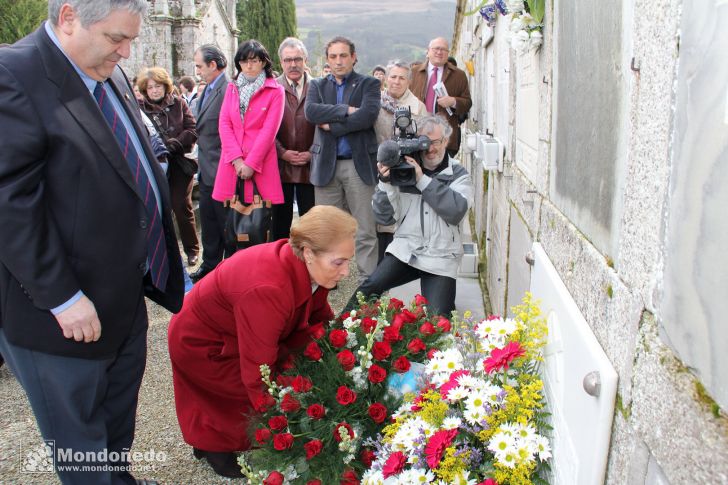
86 233
210 64
455 82
344 105
294 138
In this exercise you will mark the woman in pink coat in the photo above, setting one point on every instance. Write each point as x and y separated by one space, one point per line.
250 116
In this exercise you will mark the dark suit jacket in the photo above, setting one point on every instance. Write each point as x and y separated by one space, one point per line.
456 83
362 92
70 213
295 133
208 133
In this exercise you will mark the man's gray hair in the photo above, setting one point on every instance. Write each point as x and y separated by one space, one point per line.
401 65
292 42
426 124
91 11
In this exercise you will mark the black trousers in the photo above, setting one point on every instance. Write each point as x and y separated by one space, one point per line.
391 272
212 223
283 213
86 405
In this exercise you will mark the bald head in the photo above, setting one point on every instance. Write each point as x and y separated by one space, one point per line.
438 51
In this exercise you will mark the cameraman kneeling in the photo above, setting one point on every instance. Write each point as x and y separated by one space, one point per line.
427 241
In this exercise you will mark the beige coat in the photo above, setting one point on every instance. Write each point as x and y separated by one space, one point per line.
383 125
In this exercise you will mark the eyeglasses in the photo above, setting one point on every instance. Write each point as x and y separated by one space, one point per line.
437 143
292 60
253 61
440 49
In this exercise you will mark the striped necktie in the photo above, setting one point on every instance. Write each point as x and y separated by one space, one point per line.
156 244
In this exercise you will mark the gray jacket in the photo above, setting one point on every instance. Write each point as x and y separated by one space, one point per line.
321 107
208 134
428 218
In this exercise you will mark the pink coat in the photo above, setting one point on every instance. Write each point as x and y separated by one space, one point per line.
254 142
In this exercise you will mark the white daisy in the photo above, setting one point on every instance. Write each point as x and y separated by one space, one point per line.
451 423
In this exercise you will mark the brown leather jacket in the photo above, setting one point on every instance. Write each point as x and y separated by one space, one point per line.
174 119
456 83
295 133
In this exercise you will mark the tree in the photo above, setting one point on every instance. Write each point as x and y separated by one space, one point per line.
20 17
269 21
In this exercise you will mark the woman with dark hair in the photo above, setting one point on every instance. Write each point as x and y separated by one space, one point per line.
174 122
250 116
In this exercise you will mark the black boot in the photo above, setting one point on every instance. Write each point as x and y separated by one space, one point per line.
223 463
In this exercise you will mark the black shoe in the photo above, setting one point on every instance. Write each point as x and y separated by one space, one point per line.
223 463
199 274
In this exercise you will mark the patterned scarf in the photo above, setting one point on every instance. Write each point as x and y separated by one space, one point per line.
246 90
389 104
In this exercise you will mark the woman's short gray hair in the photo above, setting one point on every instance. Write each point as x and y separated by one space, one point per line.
294 43
92 11
402 65
426 124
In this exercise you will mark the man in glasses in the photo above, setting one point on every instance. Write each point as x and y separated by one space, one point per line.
426 78
294 138
426 243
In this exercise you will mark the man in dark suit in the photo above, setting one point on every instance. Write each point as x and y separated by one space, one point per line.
437 69
210 64
344 105
294 139
86 233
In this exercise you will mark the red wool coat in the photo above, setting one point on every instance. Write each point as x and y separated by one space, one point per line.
252 309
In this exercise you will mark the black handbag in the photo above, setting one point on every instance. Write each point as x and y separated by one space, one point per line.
248 224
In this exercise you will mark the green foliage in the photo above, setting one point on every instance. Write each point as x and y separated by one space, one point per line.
269 21
20 17
537 9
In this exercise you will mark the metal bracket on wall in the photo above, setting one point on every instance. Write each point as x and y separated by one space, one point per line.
635 65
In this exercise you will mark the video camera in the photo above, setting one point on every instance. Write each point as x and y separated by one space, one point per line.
404 142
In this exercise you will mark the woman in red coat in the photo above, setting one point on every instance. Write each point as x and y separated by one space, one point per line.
253 309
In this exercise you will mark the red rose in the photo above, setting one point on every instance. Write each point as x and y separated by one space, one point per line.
444 324
277 423
287 363
313 351
338 338
317 331
416 346
405 317
378 412
345 396
347 427
349 478
346 359
367 457
264 402
316 411
431 352
420 300
290 404
313 448
377 374
284 381
274 478
344 316
391 333
262 435
301 384
401 365
314 482
427 328
368 324
282 441
394 464
395 304
381 350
